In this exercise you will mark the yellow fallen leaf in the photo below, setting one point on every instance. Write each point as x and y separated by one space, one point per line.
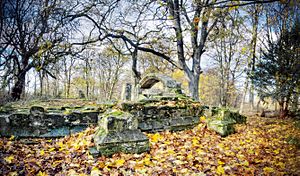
101 165
240 156
220 145
250 151
220 162
245 163
200 151
56 163
276 151
155 137
60 144
42 152
190 157
195 142
12 137
119 162
95 172
202 118
170 152
139 166
13 173
220 170
268 169
42 174
51 149
147 161
9 159
281 165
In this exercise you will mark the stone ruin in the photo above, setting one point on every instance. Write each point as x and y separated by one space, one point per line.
222 120
118 132
48 122
121 126
164 109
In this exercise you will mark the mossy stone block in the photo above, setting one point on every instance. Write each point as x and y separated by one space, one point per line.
222 127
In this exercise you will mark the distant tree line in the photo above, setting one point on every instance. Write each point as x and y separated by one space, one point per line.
60 47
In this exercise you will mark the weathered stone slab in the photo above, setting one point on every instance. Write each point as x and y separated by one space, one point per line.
118 133
183 123
165 115
56 132
221 120
222 127
154 125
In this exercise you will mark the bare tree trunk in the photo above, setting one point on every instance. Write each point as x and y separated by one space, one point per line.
194 86
87 70
35 87
136 75
41 84
282 109
68 84
47 92
253 53
116 74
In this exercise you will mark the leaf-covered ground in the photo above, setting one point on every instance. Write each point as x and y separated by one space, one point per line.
258 148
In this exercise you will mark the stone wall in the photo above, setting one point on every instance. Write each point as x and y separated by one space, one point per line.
165 115
47 122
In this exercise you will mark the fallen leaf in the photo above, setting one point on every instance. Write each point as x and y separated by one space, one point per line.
268 170
220 170
42 174
119 162
9 159
95 172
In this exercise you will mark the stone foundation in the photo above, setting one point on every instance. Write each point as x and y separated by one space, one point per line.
53 122
118 132
165 115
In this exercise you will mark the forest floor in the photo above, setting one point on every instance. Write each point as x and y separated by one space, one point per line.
263 146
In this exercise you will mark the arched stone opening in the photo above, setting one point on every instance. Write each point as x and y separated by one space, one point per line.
169 87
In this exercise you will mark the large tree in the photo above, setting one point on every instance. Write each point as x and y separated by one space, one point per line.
277 73
34 34
187 25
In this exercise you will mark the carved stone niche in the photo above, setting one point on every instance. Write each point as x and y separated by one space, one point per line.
158 86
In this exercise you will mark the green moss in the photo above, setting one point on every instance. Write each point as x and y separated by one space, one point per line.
115 113
224 128
109 150
67 111
101 132
293 141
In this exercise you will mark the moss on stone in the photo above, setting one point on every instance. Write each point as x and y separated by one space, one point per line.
115 113
222 127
